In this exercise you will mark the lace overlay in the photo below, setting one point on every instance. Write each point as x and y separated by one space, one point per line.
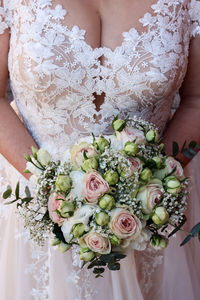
55 76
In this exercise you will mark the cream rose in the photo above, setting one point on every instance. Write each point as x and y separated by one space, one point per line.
150 195
53 205
97 242
124 224
135 164
77 153
94 186
131 134
172 163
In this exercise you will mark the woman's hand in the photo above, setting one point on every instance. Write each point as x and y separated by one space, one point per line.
185 125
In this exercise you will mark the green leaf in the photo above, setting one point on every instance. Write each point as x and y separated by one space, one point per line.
119 255
183 147
98 270
85 155
27 192
175 148
27 200
34 151
58 233
107 258
187 154
114 266
192 144
186 240
17 191
7 193
178 227
27 171
96 263
195 230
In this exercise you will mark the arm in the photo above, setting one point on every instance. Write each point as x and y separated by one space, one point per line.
185 125
15 140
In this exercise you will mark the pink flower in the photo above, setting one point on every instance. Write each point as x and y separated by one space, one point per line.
94 186
131 134
171 163
150 195
77 153
53 205
135 164
97 242
124 224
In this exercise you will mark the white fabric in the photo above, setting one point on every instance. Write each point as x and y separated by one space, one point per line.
54 75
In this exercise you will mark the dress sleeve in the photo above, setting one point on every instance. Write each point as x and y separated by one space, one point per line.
4 22
194 14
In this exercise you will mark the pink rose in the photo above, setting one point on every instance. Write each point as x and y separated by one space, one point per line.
135 164
53 205
124 224
97 242
131 134
150 195
77 152
171 163
94 186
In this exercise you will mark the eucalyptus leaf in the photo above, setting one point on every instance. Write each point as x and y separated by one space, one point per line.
7 193
107 258
187 154
186 240
114 266
98 270
17 191
192 144
175 148
119 255
27 192
195 230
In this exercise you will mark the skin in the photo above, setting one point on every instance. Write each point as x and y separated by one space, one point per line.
104 21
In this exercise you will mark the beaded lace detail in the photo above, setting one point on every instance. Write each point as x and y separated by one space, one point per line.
55 75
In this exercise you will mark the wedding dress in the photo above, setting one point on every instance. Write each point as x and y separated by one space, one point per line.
54 75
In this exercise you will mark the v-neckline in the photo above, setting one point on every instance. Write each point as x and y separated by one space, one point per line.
106 49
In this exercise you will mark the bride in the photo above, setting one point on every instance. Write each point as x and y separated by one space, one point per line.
73 66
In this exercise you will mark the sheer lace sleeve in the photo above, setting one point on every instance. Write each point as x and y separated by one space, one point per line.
194 12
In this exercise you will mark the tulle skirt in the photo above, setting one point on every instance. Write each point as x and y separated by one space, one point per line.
28 271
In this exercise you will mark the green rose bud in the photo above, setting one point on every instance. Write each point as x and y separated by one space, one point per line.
173 185
172 182
90 164
66 209
152 136
43 157
63 183
86 254
107 202
158 242
160 216
111 177
78 230
158 162
115 241
102 218
146 174
102 144
63 247
119 125
131 148
56 242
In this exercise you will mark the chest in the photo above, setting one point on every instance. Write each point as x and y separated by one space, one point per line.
131 50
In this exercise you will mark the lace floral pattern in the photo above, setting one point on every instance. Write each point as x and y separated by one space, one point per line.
55 75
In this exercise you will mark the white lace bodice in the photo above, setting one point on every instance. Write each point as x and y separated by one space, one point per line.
55 74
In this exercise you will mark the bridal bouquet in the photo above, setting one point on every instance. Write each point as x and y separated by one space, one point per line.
105 194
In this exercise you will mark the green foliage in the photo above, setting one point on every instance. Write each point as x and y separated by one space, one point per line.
7 193
194 232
